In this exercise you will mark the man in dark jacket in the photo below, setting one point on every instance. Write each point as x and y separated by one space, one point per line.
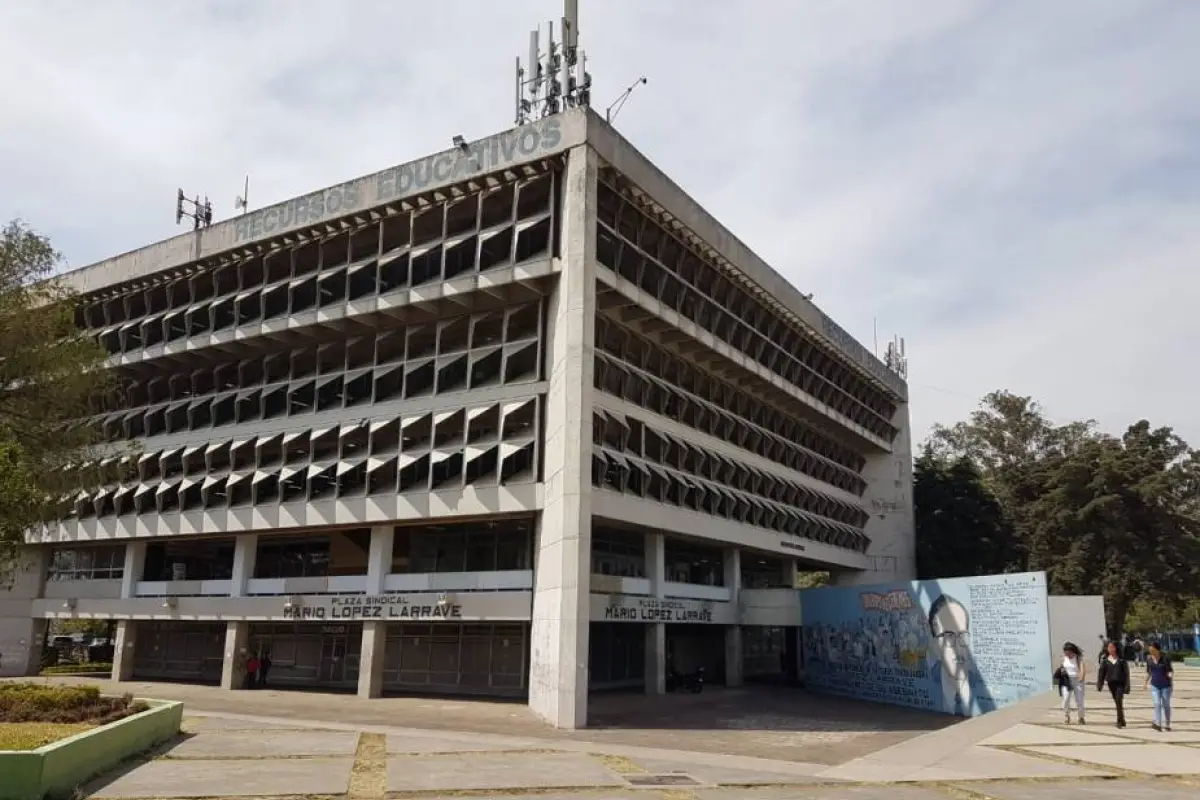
1114 672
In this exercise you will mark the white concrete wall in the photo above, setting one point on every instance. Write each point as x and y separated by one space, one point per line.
558 666
1079 620
20 634
892 555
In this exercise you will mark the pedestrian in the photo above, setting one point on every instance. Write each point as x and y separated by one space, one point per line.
1160 676
1114 672
264 667
1072 674
252 671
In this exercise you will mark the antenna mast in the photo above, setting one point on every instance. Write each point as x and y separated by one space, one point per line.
611 113
243 200
557 79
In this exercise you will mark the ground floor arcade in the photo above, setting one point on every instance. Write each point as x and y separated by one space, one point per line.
487 659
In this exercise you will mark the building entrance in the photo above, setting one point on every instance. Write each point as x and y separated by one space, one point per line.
308 654
449 658
179 651
690 647
616 656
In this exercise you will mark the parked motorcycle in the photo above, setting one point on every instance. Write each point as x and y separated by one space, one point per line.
692 681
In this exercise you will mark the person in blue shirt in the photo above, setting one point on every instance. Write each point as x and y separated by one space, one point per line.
1159 675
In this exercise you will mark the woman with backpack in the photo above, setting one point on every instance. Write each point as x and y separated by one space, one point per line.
1071 676
1159 677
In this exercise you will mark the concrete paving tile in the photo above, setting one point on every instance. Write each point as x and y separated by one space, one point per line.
497 771
1041 734
401 744
1142 733
1153 759
265 744
986 763
166 779
823 793
1085 790
587 794
718 775
228 724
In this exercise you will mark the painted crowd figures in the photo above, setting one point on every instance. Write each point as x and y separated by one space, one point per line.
962 646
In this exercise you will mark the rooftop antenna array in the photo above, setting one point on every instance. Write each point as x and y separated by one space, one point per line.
895 357
199 213
555 79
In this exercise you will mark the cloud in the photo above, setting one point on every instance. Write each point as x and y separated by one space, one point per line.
1014 187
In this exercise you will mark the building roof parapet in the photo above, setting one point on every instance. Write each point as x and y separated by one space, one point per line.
513 147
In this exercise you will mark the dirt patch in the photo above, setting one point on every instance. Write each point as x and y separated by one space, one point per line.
368 778
32 735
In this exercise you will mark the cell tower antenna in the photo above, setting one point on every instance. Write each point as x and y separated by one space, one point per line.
619 103
243 200
896 357
555 79
200 213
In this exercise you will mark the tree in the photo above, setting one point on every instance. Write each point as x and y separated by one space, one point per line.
1009 439
1099 514
961 528
51 378
1115 518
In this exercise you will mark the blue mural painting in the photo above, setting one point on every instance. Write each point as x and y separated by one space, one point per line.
961 646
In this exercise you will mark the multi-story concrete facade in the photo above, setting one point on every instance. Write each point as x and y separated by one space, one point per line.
518 418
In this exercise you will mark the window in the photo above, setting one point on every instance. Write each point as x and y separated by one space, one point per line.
486 546
87 564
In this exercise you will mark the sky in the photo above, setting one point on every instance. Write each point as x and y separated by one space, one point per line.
1012 186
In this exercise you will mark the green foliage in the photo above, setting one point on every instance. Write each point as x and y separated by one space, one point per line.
1100 514
950 498
36 702
1159 613
811 580
52 377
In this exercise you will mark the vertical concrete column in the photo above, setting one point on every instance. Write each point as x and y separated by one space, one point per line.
245 553
889 500
370 661
124 649
21 633
374 635
135 567
733 633
790 573
558 661
656 632
379 560
233 668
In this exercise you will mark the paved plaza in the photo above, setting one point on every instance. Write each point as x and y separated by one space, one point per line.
1020 753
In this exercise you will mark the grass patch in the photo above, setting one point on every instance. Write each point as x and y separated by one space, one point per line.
71 669
32 735
34 702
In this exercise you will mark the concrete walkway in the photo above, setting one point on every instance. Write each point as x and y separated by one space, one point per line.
1020 753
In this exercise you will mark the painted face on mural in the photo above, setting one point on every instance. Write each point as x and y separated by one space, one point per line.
949 627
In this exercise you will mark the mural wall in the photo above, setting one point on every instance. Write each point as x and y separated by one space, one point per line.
961 646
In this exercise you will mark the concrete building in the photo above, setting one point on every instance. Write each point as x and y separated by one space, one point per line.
518 418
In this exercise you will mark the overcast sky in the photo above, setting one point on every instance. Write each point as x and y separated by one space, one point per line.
1014 186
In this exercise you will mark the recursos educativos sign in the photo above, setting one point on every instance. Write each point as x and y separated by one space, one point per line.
486 155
